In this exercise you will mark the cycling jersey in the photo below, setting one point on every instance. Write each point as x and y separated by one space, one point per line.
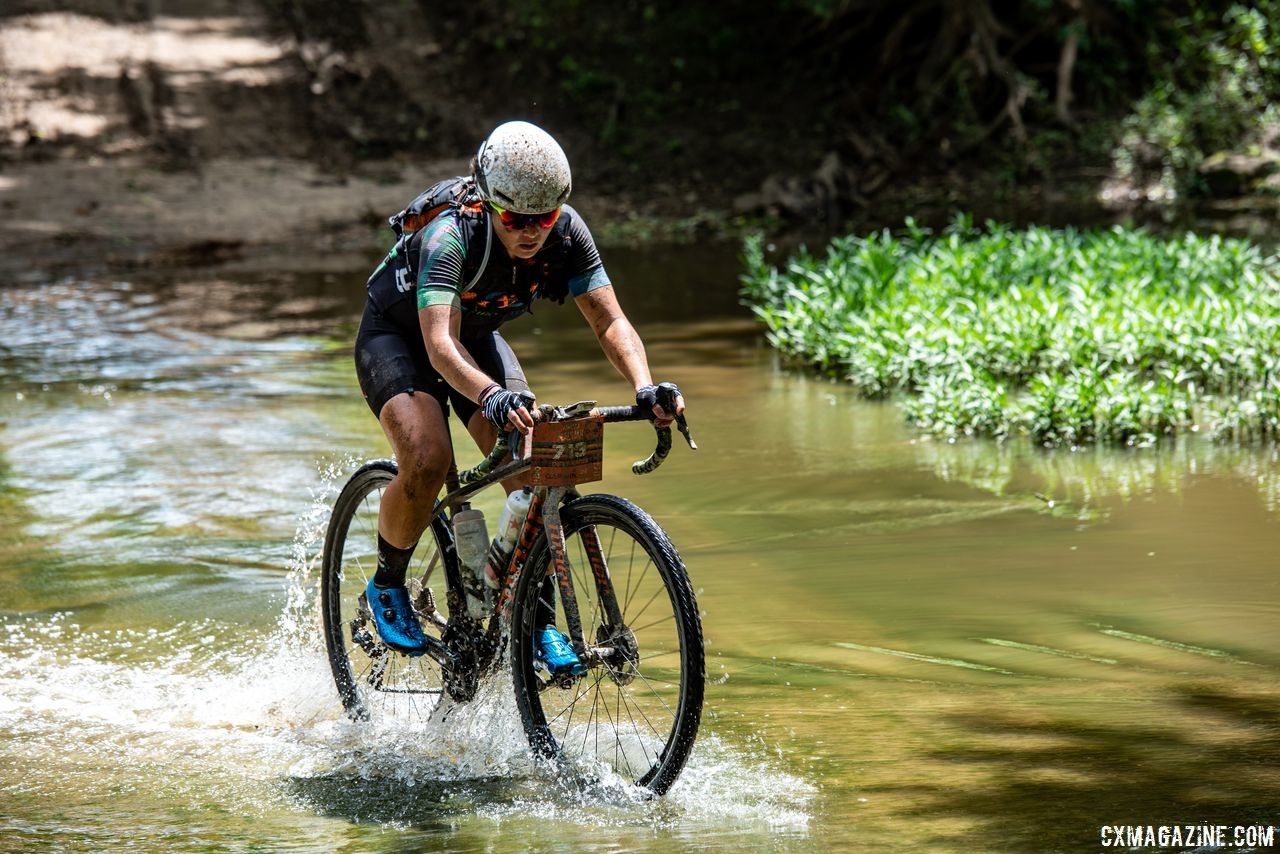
435 267
437 263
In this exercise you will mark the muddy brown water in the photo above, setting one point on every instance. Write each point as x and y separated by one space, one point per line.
912 645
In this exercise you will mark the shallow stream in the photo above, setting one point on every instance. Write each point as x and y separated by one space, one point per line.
912 645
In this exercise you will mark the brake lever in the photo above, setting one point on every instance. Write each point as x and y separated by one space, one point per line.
515 441
667 394
574 410
683 426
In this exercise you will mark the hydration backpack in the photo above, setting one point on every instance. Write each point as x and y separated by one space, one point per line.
459 191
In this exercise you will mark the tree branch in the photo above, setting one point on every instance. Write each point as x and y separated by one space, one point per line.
1066 67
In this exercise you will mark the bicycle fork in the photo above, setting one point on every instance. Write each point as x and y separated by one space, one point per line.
614 646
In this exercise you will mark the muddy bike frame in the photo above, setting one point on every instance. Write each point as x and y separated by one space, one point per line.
560 460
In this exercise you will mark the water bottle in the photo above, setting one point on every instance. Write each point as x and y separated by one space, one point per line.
471 540
504 542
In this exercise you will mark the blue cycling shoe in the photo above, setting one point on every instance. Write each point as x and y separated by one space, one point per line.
394 618
555 653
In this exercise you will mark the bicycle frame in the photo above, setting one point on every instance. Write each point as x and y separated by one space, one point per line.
558 580
543 515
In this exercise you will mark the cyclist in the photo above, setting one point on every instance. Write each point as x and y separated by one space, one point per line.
429 338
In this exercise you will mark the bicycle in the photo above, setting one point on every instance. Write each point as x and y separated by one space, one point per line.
639 703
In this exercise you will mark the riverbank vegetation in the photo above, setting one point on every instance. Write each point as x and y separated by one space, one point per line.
866 110
861 100
1068 336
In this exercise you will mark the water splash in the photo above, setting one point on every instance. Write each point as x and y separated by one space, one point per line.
476 754
202 710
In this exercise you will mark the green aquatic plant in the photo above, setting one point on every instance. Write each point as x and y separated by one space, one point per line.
1071 336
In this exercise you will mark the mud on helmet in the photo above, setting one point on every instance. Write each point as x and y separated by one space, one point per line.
520 167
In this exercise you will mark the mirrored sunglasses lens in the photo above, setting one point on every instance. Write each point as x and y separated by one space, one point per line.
513 220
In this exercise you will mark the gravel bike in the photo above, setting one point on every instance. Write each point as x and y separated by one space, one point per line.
596 566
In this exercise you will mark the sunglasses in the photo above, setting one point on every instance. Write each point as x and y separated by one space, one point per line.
513 221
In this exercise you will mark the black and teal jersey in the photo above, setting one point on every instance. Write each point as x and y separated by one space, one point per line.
435 266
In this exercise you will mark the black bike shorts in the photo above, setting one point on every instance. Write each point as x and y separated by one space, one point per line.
390 361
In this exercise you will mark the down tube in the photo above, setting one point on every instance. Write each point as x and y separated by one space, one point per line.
528 534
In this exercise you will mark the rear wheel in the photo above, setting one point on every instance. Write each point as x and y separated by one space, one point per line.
636 711
372 679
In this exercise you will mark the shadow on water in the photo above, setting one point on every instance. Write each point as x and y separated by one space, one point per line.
1051 784
24 555
430 805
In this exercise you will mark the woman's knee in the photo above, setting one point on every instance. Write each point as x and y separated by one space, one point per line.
415 425
426 466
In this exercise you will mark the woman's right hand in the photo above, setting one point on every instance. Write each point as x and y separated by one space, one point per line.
509 410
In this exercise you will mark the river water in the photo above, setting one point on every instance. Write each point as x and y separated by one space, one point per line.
912 645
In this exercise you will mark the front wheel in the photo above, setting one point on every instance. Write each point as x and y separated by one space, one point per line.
636 710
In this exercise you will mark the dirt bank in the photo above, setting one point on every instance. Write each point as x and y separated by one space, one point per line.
121 212
182 132
189 138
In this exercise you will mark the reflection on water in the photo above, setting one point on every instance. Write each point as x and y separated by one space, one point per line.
911 644
1087 480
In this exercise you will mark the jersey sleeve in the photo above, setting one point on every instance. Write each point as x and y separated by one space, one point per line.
440 263
586 270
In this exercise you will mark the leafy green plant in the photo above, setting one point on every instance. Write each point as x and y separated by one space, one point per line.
1070 336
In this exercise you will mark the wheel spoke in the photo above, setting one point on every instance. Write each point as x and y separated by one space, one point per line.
655 595
653 655
631 562
586 590
643 715
591 727
634 726
615 725
670 618
655 693
569 707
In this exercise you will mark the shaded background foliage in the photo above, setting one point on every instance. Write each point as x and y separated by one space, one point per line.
848 111
718 97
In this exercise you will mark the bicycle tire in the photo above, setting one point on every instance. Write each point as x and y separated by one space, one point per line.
651 755
373 681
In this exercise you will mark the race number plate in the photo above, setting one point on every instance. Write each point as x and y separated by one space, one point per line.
566 453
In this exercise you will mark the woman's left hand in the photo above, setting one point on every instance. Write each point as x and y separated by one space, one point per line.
663 400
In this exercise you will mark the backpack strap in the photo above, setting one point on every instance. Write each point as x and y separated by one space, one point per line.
412 246
484 260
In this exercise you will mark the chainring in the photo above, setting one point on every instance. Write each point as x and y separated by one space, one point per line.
473 650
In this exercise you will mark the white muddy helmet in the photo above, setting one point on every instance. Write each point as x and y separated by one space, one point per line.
522 168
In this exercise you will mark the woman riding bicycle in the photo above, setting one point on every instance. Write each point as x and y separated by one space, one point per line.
429 337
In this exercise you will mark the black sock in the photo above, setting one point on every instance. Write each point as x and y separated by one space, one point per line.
393 563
